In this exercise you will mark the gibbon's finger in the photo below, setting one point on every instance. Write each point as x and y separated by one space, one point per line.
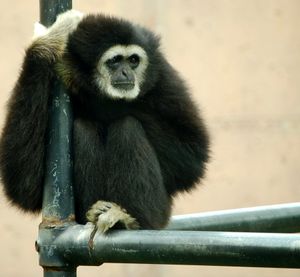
39 30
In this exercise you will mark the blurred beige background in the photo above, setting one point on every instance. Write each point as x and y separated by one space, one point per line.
241 59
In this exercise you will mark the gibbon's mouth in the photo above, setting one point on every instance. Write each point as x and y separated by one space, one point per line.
123 85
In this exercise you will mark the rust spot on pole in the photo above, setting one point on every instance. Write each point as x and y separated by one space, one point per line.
52 222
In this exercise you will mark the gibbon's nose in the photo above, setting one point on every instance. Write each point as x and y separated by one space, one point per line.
124 73
123 78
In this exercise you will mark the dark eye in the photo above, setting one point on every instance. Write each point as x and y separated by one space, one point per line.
114 61
134 60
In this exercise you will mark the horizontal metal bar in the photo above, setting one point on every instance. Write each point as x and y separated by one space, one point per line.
283 218
169 247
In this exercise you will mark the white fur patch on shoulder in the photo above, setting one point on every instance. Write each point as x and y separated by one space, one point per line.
103 75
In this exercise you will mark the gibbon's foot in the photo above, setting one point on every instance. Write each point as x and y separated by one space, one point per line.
104 215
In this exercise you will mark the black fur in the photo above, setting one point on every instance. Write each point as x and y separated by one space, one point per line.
137 154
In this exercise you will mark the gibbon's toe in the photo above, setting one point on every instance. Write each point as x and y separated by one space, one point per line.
105 215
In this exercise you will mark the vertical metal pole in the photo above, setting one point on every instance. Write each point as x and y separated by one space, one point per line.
58 202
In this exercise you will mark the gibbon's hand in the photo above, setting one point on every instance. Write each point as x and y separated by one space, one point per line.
39 30
55 37
65 24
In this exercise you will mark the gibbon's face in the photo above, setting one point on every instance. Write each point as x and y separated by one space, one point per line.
120 71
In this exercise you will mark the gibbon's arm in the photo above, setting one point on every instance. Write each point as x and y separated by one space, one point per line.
178 136
22 146
89 149
133 178
91 185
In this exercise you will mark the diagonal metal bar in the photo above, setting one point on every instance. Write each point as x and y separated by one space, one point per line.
281 218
